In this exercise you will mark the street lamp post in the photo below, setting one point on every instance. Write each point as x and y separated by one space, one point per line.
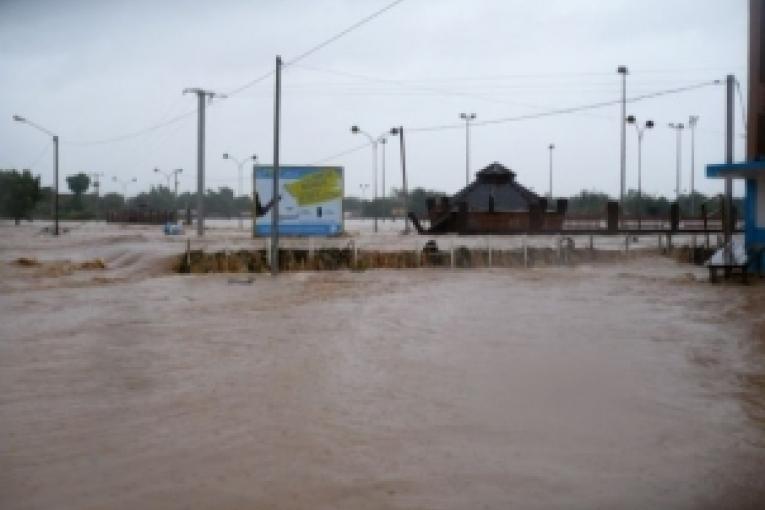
399 131
551 147
692 121
384 142
19 118
124 184
640 130
467 117
679 130
623 162
373 141
168 175
239 165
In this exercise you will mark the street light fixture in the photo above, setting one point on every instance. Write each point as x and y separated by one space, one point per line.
551 147
623 162
692 121
678 127
19 118
168 175
467 117
239 165
124 184
640 130
399 131
373 141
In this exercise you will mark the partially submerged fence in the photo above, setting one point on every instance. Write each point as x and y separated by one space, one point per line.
398 252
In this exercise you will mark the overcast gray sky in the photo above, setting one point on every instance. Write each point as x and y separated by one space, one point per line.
93 70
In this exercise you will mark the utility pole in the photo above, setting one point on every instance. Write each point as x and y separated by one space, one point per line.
728 224
96 176
275 195
623 162
692 120
201 96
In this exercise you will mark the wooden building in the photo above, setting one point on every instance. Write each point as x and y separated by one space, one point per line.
495 203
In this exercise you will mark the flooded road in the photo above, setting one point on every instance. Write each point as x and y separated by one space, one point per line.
627 385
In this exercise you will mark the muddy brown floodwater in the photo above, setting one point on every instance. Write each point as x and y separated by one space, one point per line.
631 385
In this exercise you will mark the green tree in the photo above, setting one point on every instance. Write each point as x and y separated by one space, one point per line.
18 194
78 184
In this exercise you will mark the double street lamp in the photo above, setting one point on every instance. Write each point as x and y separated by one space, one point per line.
168 175
678 127
124 184
373 141
640 131
19 118
239 165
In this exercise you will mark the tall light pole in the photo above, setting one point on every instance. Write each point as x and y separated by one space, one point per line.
399 131
19 118
239 165
467 117
373 141
384 142
551 147
168 176
640 130
201 96
692 121
678 127
124 184
623 161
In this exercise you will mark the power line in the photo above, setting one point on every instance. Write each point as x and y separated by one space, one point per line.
569 110
237 90
342 33
133 134
559 111
39 156
342 153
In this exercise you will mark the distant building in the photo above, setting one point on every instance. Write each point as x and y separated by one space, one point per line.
495 203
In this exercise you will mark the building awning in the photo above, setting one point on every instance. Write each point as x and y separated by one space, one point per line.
744 170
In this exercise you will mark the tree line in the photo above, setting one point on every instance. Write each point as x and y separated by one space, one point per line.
22 197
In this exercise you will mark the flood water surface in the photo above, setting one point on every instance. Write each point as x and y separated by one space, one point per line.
617 386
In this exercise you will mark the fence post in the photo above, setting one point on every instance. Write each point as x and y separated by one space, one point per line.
488 242
525 251
451 252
